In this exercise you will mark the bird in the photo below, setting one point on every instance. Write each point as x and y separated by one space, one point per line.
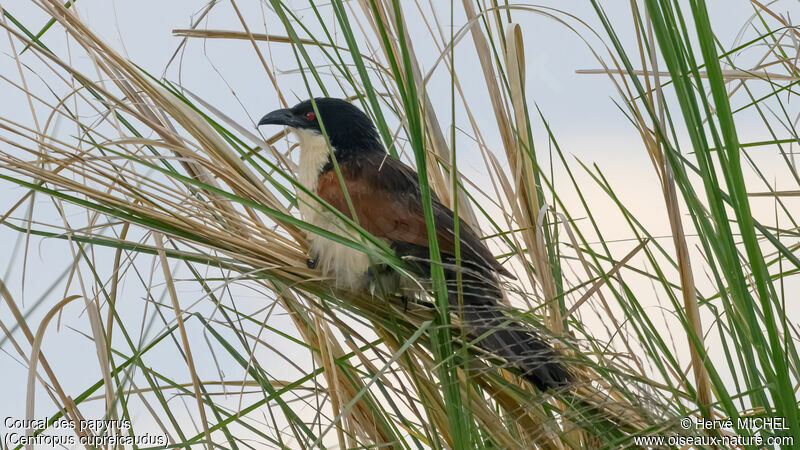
384 193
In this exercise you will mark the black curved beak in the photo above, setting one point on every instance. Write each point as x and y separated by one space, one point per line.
278 117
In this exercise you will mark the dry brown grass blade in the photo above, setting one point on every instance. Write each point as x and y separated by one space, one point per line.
613 406
208 383
347 386
331 375
485 58
726 74
522 167
531 422
114 290
36 346
284 162
610 274
417 363
187 351
776 16
688 288
775 194
607 308
260 56
263 37
65 401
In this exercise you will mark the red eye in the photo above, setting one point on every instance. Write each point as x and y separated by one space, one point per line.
310 115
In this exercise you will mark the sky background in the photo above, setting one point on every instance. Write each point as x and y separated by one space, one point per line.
580 108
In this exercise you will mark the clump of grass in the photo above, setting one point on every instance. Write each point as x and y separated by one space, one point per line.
185 199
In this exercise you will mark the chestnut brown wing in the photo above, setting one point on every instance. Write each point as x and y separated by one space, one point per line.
387 201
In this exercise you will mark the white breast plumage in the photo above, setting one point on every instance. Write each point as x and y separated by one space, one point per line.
346 265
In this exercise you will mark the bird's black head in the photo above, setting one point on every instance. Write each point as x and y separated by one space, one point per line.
349 130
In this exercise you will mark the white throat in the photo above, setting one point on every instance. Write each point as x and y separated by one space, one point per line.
313 157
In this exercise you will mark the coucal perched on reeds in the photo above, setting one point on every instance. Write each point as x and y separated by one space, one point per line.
385 196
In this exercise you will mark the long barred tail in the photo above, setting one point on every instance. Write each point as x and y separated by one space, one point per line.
497 333
486 323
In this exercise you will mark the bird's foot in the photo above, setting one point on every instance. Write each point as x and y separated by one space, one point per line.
406 299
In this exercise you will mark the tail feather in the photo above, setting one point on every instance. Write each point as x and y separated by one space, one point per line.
518 345
487 324
497 333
